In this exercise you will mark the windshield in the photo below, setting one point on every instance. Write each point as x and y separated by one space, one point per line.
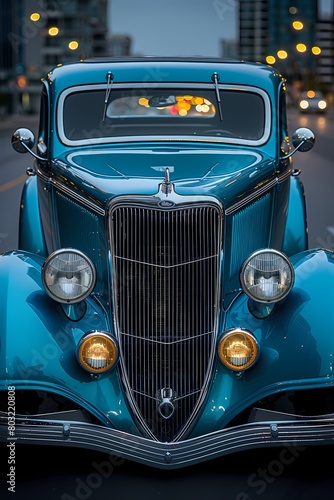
152 113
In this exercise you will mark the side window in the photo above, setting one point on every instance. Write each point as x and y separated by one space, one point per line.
43 132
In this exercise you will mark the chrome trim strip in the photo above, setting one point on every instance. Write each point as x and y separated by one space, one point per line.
165 343
146 138
281 430
256 194
71 193
285 175
149 264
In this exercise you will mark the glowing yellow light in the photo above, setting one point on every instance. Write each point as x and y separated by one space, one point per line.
53 31
143 101
184 105
73 45
301 47
205 108
183 112
35 16
188 97
297 25
282 54
270 59
310 94
316 50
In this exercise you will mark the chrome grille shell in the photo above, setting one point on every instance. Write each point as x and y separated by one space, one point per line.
166 291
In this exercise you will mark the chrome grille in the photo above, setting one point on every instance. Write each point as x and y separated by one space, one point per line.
165 283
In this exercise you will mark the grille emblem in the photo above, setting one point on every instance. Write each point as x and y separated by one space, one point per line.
166 407
166 204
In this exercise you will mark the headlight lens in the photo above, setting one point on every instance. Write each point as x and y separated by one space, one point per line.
267 276
304 104
238 350
97 352
68 276
322 104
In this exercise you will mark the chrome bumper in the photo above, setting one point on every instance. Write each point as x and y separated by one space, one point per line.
290 433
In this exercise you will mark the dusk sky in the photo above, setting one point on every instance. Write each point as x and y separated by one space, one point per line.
174 27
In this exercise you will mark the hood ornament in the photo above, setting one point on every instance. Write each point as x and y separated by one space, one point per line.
166 187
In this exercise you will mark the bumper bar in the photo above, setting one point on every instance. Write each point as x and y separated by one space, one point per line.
296 432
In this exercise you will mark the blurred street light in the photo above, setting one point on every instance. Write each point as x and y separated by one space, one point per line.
35 16
316 50
270 60
53 31
73 45
301 47
297 25
282 54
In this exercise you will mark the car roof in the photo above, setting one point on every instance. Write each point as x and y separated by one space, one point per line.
151 69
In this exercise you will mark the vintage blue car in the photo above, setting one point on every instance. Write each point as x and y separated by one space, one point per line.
163 304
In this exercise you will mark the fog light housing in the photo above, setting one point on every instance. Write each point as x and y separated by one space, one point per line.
238 349
267 276
97 352
68 276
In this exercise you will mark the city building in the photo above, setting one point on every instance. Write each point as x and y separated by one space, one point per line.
295 36
36 35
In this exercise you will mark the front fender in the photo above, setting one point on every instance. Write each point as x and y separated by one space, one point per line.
296 233
296 344
38 343
31 236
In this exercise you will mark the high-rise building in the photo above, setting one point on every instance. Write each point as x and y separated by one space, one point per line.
66 30
324 34
296 37
36 35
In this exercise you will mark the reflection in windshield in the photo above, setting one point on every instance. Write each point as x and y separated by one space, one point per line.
172 106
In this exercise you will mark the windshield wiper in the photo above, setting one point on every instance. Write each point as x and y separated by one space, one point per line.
110 79
215 78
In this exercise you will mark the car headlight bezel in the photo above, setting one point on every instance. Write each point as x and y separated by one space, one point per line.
238 349
97 352
272 291
68 275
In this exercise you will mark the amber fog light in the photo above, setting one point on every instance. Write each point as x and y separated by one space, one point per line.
97 352
238 349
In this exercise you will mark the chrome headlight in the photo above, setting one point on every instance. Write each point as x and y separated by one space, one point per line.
267 276
97 352
68 276
238 349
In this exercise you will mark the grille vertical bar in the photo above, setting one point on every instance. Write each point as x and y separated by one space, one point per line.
166 282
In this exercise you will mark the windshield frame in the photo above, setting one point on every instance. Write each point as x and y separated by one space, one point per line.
185 88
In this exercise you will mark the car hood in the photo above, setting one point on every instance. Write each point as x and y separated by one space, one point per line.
224 173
